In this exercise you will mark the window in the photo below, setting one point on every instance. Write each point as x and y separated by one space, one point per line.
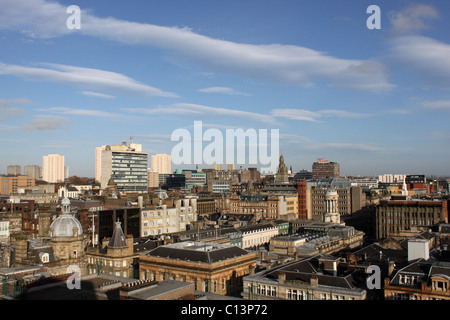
45 258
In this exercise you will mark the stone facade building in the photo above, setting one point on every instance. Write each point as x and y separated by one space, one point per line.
321 277
115 256
66 236
212 267
395 216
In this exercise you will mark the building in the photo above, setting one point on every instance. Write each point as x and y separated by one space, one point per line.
106 218
219 186
350 199
114 256
164 220
174 181
303 175
331 208
264 206
424 277
325 169
365 183
206 206
11 185
38 197
162 163
420 280
195 178
152 179
394 216
282 175
126 165
214 268
302 199
53 168
328 237
4 232
32 171
230 166
321 277
66 236
155 290
257 235
14 170
391 178
69 192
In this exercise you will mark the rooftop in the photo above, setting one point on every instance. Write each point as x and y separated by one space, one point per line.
198 251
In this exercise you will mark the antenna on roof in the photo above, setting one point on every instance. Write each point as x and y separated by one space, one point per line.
131 139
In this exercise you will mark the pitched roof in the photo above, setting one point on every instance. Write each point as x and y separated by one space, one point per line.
118 238
303 270
199 252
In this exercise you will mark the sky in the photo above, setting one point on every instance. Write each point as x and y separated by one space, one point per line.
375 100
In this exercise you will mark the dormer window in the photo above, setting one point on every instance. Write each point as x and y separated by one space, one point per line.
45 258
440 285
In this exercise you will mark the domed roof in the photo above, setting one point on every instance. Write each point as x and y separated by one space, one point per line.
64 226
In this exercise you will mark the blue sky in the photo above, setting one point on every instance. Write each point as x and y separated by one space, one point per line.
376 101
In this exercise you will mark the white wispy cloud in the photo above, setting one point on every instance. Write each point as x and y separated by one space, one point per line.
44 124
203 111
6 102
97 95
224 90
81 112
437 105
316 116
82 77
55 144
412 19
10 112
154 138
310 144
7 127
288 64
426 57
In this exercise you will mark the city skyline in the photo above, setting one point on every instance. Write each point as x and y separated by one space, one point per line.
376 101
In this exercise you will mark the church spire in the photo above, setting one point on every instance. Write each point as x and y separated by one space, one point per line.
282 175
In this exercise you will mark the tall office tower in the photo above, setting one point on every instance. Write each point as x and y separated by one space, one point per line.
14 170
126 165
162 163
325 169
153 179
53 168
33 171
66 172
230 166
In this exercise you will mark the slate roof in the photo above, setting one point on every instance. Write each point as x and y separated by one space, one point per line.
210 254
145 244
118 238
423 270
440 268
303 270
372 253
257 227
